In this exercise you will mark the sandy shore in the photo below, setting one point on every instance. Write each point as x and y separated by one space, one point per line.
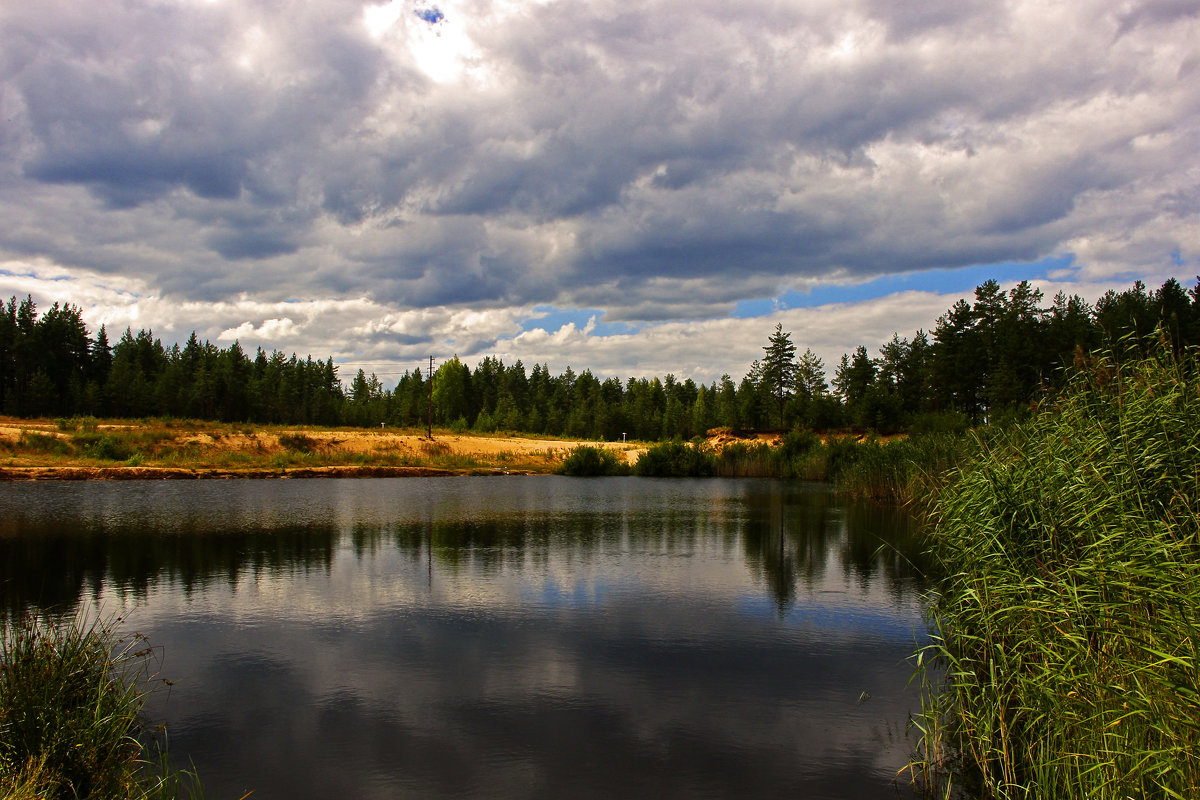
175 473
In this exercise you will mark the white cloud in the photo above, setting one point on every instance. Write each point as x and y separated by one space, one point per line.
222 165
358 332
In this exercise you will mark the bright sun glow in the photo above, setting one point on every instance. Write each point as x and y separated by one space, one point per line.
441 49
378 19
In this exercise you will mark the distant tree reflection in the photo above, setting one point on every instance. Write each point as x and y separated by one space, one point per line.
790 538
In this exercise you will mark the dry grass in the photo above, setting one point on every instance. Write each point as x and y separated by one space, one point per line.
91 444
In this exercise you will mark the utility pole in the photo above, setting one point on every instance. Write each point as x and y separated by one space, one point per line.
430 409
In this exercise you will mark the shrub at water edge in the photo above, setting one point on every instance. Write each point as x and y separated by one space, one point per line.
589 460
676 460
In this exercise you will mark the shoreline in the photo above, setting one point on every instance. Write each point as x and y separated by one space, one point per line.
30 474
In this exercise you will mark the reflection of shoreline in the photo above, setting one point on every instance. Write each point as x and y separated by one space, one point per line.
83 539
10 474
477 638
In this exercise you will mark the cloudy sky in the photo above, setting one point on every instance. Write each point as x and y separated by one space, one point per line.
636 188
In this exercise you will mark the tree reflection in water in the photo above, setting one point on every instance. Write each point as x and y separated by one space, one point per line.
788 539
464 637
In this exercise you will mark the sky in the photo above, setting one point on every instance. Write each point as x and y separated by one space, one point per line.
632 188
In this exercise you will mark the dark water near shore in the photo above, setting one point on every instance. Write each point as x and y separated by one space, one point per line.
498 637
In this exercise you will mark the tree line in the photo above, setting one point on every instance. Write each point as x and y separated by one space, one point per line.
982 360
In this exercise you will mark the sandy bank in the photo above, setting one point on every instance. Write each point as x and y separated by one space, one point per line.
170 473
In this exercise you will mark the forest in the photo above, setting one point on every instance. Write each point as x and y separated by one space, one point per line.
982 361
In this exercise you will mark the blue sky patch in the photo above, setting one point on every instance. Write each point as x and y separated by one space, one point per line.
551 319
945 281
432 15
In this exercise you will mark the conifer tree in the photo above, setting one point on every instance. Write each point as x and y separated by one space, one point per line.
779 367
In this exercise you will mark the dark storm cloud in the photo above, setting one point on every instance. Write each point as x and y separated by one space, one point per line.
595 153
1156 12
250 245
135 102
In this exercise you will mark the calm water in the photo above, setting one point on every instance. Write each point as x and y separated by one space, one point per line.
498 637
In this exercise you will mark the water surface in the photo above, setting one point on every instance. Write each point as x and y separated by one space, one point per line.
498 637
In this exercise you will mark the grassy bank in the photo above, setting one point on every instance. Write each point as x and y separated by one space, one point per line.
110 449
168 444
904 470
71 696
1068 608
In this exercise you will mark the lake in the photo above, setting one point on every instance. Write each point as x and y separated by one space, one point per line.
498 637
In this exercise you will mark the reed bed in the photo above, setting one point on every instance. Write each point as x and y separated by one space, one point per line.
676 460
909 470
1067 616
904 470
71 697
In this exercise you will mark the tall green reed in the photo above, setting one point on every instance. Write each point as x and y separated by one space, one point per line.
676 460
1068 611
71 696
905 470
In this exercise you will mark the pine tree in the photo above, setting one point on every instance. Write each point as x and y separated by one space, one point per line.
779 367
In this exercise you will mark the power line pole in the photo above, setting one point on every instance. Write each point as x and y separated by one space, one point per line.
430 408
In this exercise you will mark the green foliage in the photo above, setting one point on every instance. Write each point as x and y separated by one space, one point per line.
75 423
47 443
749 460
902 470
104 447
1068 610
589 460
298 442
779 368
983 361
841 452
71 694
676 460
799 442
934 422
907 470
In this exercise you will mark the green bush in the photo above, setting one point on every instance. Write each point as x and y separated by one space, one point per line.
676 460
800 454
104 447
799 442
840 453
46 443
589 460
298 442
933 422
87 424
